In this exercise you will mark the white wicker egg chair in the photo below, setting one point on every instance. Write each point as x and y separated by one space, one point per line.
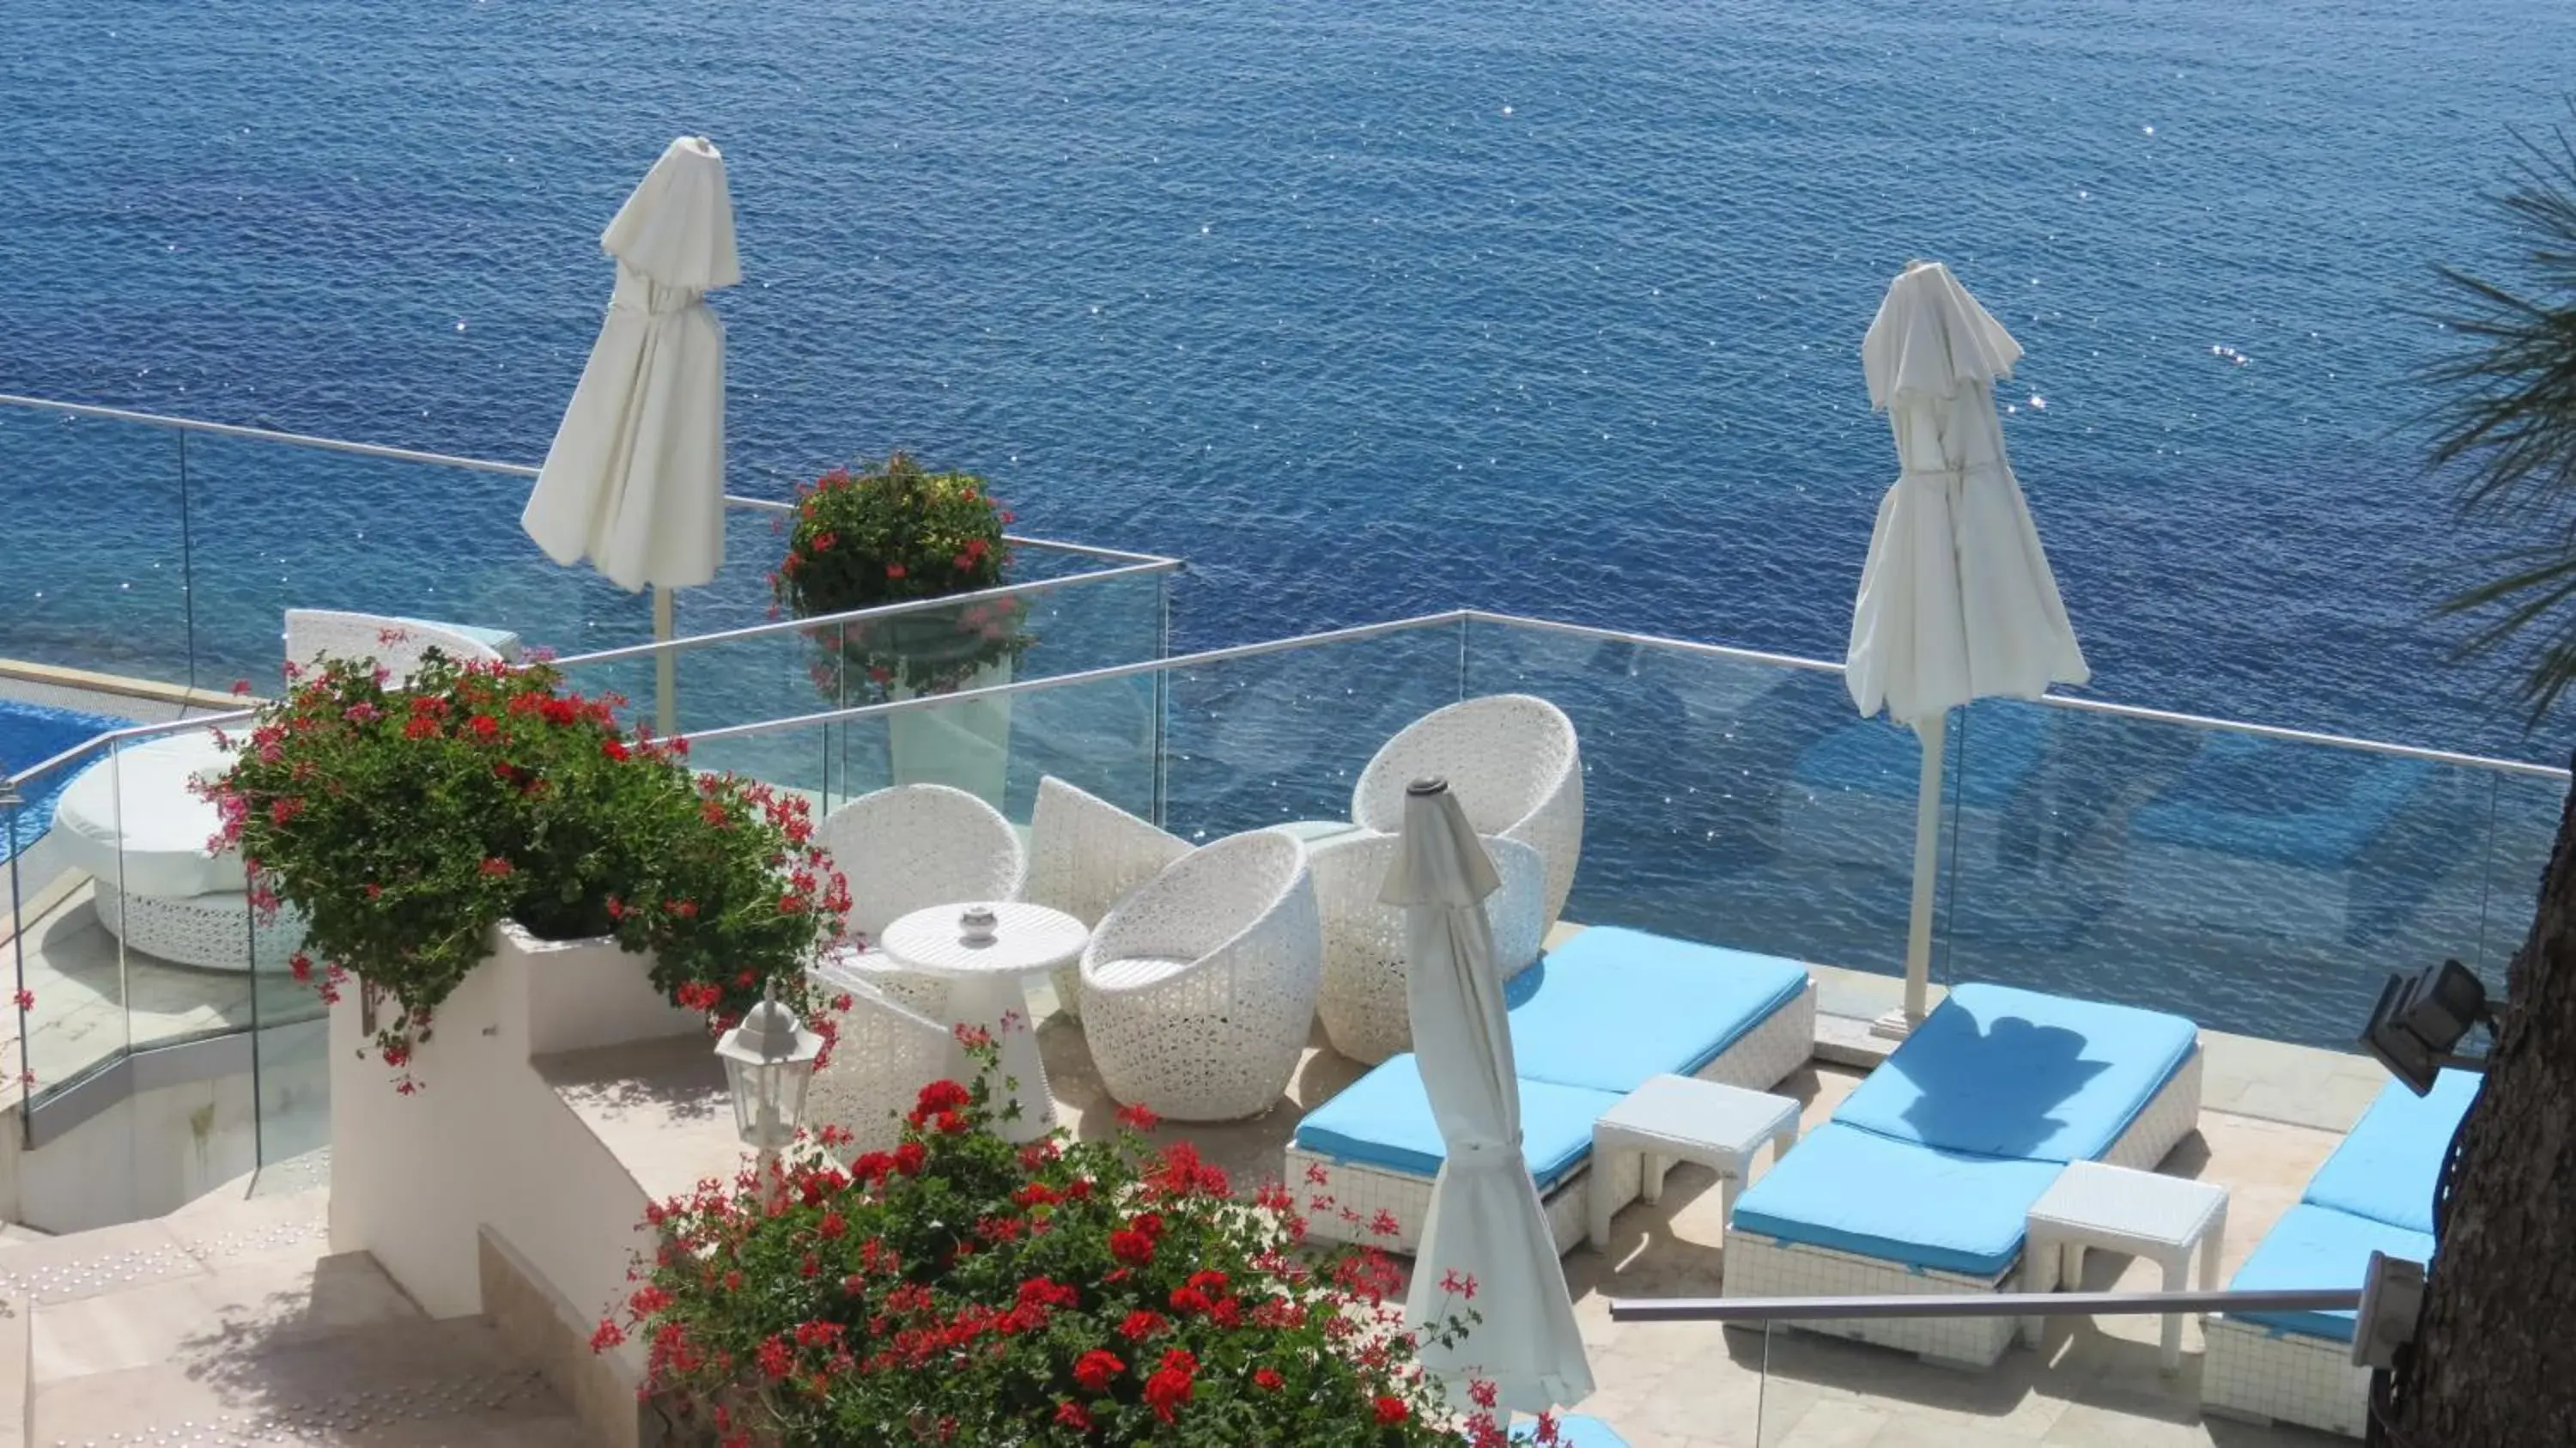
885 1053
1199 988
1362 1003
909 848
1511 759
1085 854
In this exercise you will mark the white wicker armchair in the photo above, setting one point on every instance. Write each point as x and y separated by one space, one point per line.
1362 1004
909 848
1199 988
1511 759
885 1053
398 644
1085 854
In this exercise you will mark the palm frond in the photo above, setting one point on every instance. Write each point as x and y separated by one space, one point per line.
2506 424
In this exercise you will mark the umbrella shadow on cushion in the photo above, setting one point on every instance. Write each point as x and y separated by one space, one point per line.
1995 1097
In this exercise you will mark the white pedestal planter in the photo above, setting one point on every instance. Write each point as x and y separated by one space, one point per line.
965 744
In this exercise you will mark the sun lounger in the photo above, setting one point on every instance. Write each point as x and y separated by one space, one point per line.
2374 1194
1590 1022
1923 1180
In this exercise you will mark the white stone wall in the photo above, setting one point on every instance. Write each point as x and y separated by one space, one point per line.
486 1142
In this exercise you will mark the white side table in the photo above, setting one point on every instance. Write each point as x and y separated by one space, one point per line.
986 985
2141 1213
1677 1118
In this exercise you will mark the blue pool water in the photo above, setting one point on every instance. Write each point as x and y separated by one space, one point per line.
30 734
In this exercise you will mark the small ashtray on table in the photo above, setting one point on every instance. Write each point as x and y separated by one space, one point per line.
986 952
1681 1118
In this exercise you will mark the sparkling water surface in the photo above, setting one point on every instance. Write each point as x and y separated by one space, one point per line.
1366 312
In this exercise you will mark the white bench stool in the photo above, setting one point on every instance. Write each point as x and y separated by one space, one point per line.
2141 1213
1677 1118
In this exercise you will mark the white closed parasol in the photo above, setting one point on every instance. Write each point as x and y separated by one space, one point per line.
634 480
1484 1223
1957 601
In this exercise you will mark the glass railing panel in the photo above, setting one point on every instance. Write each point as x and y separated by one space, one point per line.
289 1023
127 933
2087 1379
72 957
276 526
94 552
2261 886
778 669
1097 734
2523 828
1281 737
799 760
1727 798
971 643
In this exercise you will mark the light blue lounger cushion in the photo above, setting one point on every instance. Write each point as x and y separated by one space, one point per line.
2014 1073
1856 1191
2256 799
1573 1431
1384 1120
2318 1247
1611 1007
2385 1170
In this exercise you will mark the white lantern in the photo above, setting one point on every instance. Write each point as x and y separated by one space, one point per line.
769 1059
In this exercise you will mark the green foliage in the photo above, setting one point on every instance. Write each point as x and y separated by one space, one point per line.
402 826
2510 423
960 1289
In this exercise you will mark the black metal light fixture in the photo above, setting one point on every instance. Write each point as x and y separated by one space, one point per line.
2421 1019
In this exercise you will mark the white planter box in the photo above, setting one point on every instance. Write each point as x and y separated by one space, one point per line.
485 1141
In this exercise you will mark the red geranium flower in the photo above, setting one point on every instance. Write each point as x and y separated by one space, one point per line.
1095 1370
1171 1385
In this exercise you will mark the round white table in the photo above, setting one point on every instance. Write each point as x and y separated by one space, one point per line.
986 985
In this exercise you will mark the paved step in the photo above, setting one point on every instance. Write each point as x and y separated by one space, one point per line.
225 1323
392 1384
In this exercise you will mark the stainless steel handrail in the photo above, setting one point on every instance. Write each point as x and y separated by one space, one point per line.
452 460
1982 1304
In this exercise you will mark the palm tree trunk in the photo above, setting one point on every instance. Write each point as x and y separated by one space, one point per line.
2494 1358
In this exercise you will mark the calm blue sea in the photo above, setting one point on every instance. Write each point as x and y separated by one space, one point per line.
1372 310
1369 310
